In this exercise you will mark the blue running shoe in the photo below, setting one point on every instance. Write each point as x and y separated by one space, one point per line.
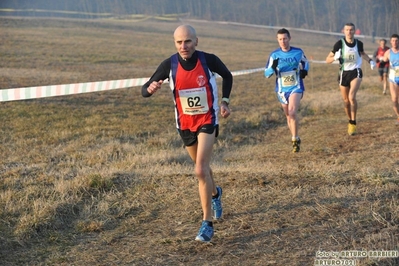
205 233
217 205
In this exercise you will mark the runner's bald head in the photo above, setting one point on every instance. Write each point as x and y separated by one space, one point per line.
186 30
186 40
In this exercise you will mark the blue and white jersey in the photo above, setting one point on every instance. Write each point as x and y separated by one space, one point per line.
287 71
393 67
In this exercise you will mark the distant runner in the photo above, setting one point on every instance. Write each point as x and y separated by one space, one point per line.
382 66
290 66
349 51
392 55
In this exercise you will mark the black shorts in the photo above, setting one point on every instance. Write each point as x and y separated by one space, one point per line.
345 77
190 138
383 70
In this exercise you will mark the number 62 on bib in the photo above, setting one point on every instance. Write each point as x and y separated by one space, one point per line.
194 101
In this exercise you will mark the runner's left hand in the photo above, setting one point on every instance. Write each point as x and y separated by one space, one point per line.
224 110
303 73
372 64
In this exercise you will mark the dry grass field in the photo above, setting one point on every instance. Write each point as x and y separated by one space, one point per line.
103 178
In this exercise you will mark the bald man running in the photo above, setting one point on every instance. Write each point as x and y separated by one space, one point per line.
195 94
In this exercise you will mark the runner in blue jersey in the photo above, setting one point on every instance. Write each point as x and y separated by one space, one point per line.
290 66
392 55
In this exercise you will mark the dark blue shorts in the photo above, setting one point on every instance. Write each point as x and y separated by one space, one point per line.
383 70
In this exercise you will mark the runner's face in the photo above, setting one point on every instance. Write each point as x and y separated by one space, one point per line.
382 44
349 32
394 43
283 41
185 42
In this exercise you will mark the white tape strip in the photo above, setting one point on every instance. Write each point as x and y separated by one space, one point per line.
67 89
27 93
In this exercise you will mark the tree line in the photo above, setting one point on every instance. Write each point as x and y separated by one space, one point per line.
372 17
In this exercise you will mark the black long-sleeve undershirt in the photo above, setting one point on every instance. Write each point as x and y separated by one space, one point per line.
213 62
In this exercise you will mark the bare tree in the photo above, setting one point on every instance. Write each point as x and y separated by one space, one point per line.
370 16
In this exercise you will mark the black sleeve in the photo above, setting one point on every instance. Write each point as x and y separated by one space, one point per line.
360 46
337 46
216 65
375 55
161 73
